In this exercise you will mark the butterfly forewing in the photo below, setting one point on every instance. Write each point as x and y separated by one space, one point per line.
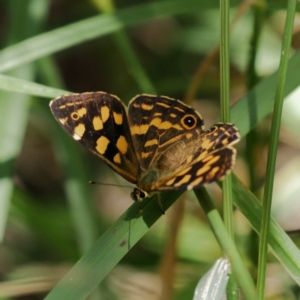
158 123
99 122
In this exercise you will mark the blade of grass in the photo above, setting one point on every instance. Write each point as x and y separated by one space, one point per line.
13 119
226 242
76 189
282 246
133 64
259 15
225 117
224 62
82 31
225 104
109 249
131 226
30 211
13 84
212 57
126 50
14 108
271 162
244 114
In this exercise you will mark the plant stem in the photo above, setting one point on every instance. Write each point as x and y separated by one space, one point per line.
271 163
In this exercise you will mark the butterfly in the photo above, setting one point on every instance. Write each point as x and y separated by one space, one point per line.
158 143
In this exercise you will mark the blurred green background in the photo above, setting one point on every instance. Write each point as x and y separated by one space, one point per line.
50 215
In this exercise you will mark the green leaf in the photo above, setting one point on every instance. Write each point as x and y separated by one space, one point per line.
88 29
95 264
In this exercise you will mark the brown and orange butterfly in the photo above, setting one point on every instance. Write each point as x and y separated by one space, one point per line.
158 144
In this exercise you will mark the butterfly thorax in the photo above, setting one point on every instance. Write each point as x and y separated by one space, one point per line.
148 181
145 186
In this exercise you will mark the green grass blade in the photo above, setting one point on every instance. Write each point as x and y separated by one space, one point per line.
85 30
77 190
225 240
13 84
259 101
225 61
259 18
227 183
13 118
225 105
283 247
134 66
272 154
14 108
131 226
109 249
126 50
245 114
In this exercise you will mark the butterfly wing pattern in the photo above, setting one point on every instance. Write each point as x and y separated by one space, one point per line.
160 144
99 122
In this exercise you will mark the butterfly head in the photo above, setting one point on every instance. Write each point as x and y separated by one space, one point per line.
138 194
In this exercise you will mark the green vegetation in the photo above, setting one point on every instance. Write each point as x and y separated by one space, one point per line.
62 238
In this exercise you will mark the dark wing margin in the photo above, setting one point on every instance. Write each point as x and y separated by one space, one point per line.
99 122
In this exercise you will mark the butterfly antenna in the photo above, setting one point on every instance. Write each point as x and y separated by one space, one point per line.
111 184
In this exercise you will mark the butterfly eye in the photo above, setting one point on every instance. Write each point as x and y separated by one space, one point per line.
142 195
189 121
74 116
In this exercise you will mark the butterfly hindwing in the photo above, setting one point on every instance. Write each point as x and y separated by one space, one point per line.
211 168
99 122
189 164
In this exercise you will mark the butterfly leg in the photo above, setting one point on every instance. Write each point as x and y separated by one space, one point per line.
160 203
138 195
